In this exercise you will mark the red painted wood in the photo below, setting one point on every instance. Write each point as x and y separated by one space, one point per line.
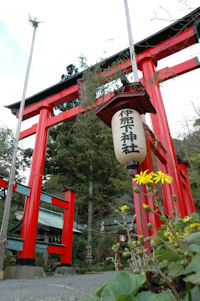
147 164
180 41
59 203
14 187
3 183
156 146
67 232
172 72
31 211
187 188
161 130
141 214
54 100
170 46
56 249
161 75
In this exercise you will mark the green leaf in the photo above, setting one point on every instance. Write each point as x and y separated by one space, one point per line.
193 237
194 278
193 265
194 248
175 269
149 296
195 294
146 295
122 284
127 298
108 294
165 254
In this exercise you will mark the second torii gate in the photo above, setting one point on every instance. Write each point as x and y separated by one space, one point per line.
173 38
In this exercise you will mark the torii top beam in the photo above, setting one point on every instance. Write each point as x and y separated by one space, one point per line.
177 36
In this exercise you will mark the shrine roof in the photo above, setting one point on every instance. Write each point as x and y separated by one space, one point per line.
47 218
173 29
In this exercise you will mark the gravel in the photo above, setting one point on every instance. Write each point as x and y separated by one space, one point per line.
52 288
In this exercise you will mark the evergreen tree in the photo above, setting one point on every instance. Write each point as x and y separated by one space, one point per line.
80 154
188 148
23 161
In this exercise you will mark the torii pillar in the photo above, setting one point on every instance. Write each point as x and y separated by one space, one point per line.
32 204
147 65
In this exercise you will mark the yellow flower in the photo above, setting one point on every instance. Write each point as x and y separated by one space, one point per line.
169 235
123 208
146 207
179 235
187 232
194 225
162 177
132 243
187 219
143 178
192 228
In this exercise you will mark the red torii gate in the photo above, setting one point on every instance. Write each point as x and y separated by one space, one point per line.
172 39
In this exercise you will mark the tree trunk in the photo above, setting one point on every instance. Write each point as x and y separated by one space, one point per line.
46 255
90 207
99 249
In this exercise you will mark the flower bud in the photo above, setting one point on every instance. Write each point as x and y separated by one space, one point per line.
136 190
174 197
140 253
153 243
150 226
136 271
126 254
141 239
148 209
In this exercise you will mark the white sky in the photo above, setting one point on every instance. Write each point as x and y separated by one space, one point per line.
95 29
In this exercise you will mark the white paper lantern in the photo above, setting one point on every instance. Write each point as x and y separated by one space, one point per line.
128 136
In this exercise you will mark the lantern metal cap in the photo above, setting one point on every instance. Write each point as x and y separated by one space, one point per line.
133 96
132 164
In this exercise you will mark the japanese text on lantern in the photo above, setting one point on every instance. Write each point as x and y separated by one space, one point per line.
127 136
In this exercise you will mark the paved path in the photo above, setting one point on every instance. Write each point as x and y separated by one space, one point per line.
45 289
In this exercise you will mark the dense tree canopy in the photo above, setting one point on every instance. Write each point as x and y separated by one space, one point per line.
73 148
188 148
23 161
6 148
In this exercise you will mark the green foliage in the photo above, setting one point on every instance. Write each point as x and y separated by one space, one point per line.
9 259
22 161
72 148
188 148
174 261
78 252
99 79
127 287
6 149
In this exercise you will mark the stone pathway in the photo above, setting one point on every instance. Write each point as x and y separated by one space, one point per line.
51 288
